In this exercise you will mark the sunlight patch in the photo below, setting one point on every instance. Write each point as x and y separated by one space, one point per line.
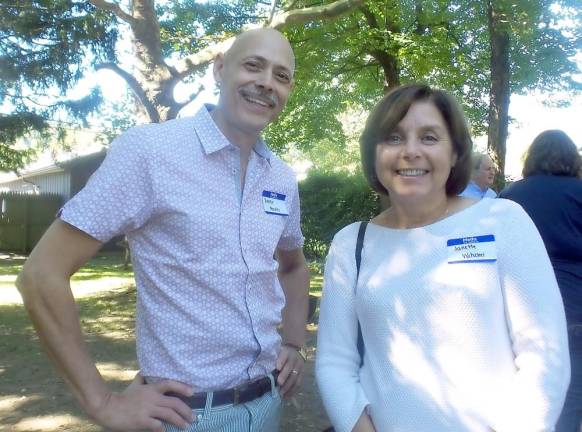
46 423
11 403
111 371
86 287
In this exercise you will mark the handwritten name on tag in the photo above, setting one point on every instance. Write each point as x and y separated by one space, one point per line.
472 249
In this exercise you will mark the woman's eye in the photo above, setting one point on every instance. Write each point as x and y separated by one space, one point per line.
394 139
430 138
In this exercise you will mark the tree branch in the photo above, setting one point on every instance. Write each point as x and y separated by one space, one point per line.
173 112
28 98
135 87
272 13
199 60
313 13
112 7
370 17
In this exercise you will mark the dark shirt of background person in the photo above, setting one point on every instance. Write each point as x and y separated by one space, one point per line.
551 193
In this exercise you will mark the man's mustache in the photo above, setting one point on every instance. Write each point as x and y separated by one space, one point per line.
262 95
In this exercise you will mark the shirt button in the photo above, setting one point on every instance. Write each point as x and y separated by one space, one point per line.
199 417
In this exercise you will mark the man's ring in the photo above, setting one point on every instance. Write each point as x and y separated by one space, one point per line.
294 372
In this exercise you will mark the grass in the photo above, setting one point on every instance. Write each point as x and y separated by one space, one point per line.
106 268
315 284
33 397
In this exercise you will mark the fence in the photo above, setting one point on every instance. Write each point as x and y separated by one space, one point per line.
24 218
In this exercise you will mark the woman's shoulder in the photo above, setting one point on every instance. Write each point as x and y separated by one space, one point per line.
469 207
347 233
502 206
346 237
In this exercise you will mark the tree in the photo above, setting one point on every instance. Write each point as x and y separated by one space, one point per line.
480 51
349 52
43 50
48 44
348 64
532 47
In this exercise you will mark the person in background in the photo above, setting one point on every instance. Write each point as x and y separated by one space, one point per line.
482 176
212 219
462 323
551 194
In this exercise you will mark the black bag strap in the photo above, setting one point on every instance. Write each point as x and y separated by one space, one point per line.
359 245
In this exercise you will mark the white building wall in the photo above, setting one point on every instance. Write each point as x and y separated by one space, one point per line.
17 186
58 183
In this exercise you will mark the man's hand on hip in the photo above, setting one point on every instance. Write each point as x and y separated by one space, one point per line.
144 406
291 367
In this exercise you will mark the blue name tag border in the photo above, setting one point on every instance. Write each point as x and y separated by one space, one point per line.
274 195
472 261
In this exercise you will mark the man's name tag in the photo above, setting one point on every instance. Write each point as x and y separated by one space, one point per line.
472 249
274 203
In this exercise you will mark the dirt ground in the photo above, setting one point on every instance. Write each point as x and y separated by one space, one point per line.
33 398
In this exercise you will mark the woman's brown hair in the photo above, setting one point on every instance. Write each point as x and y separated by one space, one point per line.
552 153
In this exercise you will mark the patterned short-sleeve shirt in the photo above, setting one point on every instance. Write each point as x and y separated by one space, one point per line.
209 300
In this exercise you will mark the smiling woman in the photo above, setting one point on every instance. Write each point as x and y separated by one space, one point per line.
416 148
444 326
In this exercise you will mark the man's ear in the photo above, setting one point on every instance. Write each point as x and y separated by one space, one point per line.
218 67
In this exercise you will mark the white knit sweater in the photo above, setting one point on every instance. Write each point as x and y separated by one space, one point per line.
470 346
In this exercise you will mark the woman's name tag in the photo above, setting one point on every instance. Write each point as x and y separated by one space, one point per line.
472 249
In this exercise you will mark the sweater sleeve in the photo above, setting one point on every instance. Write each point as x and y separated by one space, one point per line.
338 360
536 324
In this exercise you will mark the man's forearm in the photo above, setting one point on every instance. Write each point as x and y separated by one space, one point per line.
296 286
53 311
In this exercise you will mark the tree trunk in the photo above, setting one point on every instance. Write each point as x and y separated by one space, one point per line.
500 89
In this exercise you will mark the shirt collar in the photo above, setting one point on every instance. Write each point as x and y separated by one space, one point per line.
213 140
479 188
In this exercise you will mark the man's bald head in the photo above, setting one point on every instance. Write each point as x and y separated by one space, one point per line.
255 77
249 39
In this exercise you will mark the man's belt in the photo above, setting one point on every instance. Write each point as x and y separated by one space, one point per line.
241 394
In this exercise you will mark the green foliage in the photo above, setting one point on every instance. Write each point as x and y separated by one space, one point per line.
46 45
11 128
188 26
342 64
545 37
338 65
330 201
444 43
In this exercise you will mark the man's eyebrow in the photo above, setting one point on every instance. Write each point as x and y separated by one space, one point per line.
264 60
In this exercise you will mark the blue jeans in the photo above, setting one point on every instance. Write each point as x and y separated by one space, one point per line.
260 415
571 418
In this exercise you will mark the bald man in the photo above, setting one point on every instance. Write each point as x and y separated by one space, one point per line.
212 220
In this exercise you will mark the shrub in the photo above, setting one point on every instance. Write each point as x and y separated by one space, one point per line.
329 201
